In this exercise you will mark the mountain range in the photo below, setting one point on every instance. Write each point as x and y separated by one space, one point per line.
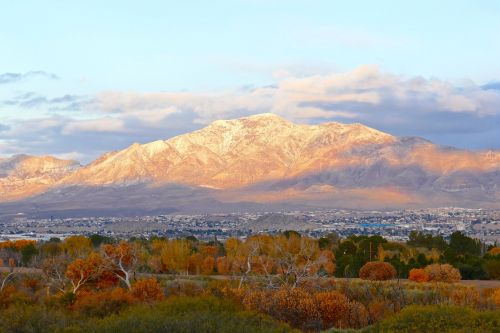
261 162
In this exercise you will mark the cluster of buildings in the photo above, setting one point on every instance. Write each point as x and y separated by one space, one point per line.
396 225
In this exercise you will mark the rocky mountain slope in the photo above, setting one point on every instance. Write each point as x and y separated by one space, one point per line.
234 153
22 175
265 159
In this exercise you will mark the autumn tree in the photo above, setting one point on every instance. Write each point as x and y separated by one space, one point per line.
377 270
195 262
171 256
235 255
207 266
16 245
222 265
418 275
299 258
442 273
147 290
54 272
10 275
77 246
209 251
51 249
102 303
122 260
82 271
242 256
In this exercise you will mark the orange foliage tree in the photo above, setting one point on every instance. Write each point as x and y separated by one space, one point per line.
122 260
17 244
207 266
418 275
147 290
102 303
208 251
494 251
377 270
222 265
81 272
195 261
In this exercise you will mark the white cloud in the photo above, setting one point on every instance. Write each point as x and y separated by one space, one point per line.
106 124
73 155
319 96
401 105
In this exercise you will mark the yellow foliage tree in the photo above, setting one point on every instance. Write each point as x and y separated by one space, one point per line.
443 273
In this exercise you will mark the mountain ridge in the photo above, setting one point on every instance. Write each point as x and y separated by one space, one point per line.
267 159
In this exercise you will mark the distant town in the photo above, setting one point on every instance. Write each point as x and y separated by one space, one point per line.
395 225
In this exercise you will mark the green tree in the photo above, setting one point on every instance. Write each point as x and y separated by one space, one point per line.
27 253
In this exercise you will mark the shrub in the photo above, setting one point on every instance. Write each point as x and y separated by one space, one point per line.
32 318
443 273
377 270
418 275
147 290
102 303
186 314
379 309
301 308
180 287
358 315
333 308
496 297
296 307
466 296
10 295
307 310
443 319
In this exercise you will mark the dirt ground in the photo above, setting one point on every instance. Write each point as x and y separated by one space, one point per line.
480 284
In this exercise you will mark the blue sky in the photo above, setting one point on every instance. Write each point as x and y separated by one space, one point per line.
78 78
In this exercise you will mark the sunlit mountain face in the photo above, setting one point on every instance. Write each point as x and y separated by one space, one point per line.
261 161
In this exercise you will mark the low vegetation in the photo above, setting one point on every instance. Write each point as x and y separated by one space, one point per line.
264 283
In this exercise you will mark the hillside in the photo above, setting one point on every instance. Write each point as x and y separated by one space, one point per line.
264 159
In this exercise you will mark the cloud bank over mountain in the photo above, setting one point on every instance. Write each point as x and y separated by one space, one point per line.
462 114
